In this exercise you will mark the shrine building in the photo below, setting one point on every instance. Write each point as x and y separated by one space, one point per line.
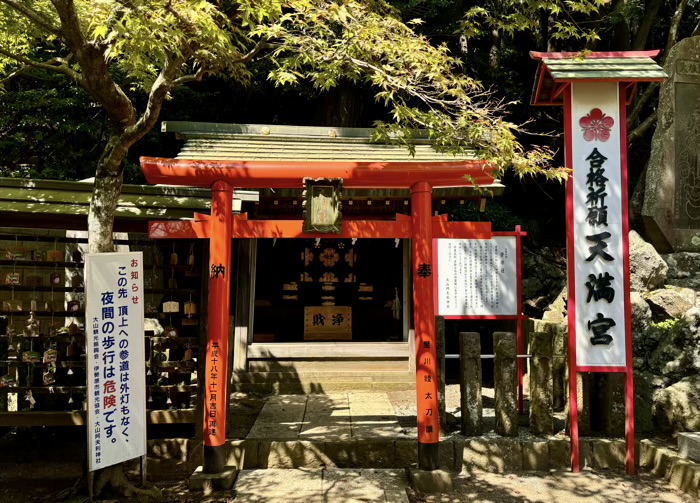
319 313
322 298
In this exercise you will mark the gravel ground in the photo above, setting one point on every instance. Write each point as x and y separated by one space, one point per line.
558 487
35 464
404 403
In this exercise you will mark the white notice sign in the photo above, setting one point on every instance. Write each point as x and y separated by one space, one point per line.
116 367
597 245
477 277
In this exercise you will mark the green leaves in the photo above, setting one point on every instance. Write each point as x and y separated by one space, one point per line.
154 45
567 19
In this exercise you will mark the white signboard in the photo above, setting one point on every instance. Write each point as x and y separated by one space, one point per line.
477 277
116 367
597 225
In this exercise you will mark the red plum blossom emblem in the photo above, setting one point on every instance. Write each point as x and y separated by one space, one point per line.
596 125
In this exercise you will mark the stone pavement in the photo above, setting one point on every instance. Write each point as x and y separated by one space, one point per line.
321 486
340 416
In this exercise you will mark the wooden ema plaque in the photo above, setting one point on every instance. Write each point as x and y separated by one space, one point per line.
327 323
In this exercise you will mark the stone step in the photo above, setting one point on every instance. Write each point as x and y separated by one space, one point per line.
689 445
321 382
321 486
253 377
489 453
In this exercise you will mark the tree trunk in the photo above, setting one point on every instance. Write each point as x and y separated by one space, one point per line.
494 52
621 39
651 9
109 177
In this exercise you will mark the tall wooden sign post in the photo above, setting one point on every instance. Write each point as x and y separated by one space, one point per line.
222 226
594 90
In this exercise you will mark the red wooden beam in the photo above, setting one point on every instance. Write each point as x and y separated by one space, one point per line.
178 229
461 230
244 228
276 175
248 229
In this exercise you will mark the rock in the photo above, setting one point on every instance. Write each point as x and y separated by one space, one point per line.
643 403
682 264
544 274
670 302
641 324
647 268
556 311
678 352
531 287
670 214
677 408
683 269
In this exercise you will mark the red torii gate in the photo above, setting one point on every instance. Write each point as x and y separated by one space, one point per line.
222 226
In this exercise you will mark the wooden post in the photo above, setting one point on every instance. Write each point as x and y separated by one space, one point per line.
144 470
424 322
505 379
470 383
541 411
216 389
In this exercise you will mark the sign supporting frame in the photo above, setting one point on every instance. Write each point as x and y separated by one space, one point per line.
518 317
598 78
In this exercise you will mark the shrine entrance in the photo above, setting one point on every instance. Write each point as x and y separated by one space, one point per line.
314 290
418 176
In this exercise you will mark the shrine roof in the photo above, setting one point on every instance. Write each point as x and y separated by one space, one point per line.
260 142
59 198
556 71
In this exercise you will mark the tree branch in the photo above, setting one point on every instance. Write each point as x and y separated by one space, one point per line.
673 29
159 91
424 97
34 17
633 117
636 133
13 75
96 77
261 45
650 11
195 77
59 65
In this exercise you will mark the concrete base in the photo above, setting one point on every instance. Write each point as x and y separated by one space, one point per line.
219 481
689 446
427 482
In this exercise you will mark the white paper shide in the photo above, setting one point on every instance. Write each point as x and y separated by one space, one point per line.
115 366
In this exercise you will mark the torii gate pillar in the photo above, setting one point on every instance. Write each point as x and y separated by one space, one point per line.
215 372
424 323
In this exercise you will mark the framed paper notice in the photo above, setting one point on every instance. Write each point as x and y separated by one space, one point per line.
115 367
477 277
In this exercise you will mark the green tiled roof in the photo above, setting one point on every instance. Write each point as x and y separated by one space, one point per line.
47 197
556 70
257 142
626 69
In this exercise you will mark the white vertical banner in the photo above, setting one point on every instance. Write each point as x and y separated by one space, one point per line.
597 225
116 366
